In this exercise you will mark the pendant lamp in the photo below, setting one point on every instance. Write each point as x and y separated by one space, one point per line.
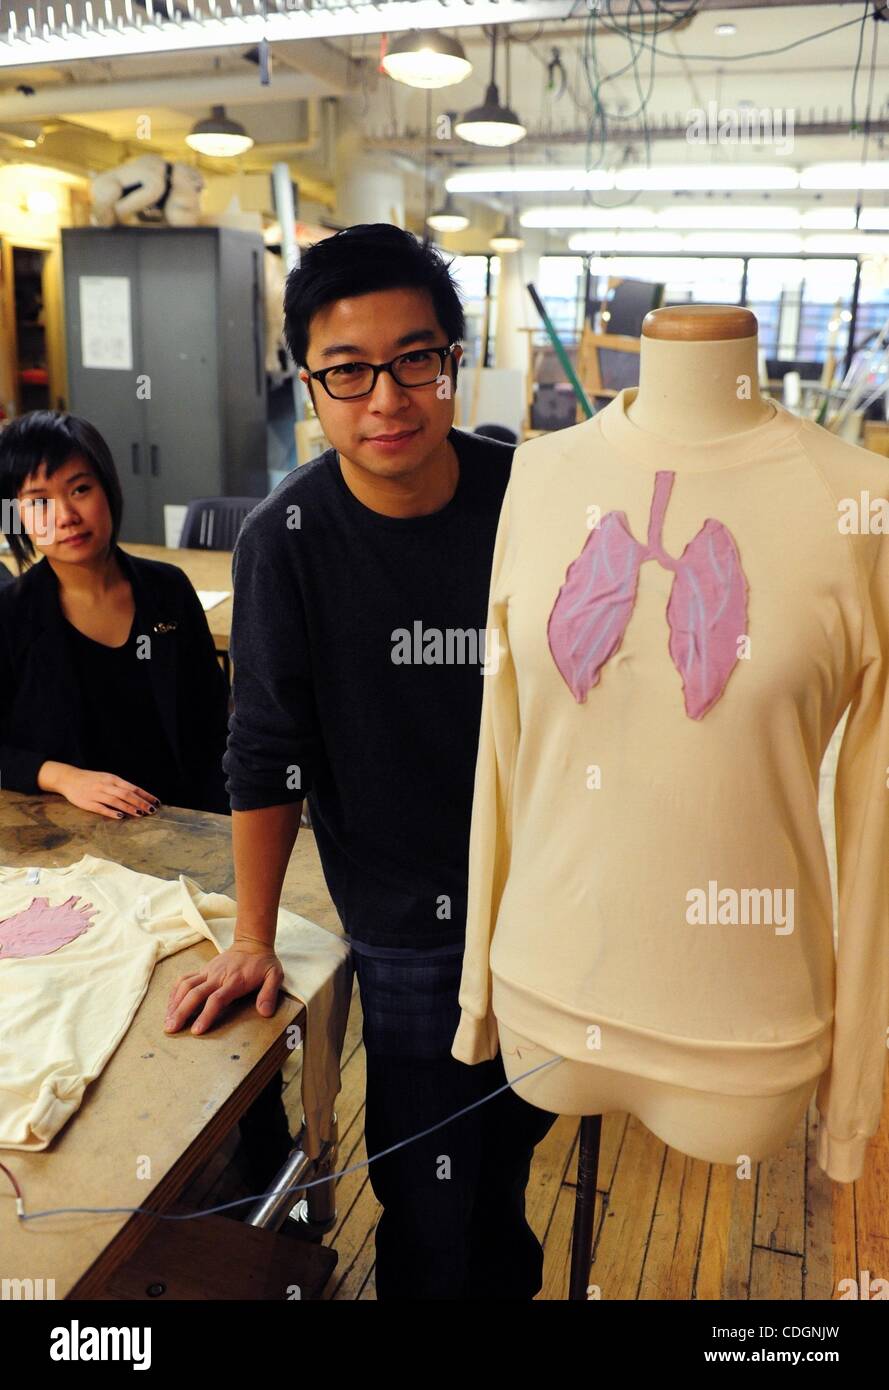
218 136
427 59
447 218
491 123
508 239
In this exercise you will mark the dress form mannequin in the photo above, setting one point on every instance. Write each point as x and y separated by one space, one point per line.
698 384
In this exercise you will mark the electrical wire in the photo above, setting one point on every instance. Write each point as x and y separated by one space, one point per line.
515 38
637 34
12 1179
599 125
857 67
734 57
259 1196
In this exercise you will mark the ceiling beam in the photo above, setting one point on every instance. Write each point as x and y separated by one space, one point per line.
24 47
27 44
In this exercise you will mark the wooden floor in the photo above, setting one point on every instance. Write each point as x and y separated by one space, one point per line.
667 1226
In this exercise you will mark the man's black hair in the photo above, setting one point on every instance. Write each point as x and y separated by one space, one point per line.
358 260
51 437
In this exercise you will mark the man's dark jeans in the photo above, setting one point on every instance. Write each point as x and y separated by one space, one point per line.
453 1222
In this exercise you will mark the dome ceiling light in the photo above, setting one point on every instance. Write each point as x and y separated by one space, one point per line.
508 239
491 123
218 136
447 218
427 59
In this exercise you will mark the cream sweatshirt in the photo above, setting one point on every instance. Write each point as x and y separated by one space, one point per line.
674 634
78 947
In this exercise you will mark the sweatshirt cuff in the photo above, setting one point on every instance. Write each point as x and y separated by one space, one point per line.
476 1039
841 1159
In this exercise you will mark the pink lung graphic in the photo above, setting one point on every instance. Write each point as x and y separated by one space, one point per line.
41 929
707 613
707 610
590 615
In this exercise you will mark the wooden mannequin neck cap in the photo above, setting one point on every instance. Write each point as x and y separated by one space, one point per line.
699 323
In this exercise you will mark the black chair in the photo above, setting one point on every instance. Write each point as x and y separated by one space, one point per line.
554 406
777 369
213 523
501 432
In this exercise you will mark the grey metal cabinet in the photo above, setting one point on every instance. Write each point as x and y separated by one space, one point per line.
165 336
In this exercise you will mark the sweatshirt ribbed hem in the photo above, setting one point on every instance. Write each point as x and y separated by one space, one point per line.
723 1067
668 1058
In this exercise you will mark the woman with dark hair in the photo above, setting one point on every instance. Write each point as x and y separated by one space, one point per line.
110 690
111 694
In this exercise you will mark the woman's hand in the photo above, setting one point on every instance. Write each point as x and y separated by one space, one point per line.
100 792
244 967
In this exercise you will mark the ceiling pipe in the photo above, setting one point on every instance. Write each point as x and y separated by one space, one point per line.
189 92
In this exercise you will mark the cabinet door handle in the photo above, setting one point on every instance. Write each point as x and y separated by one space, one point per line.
153 453
134 455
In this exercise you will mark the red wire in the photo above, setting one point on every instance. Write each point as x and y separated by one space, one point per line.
12 1179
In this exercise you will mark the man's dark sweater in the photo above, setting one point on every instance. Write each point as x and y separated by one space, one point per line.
335 608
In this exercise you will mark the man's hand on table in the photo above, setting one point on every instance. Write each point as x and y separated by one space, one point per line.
246 966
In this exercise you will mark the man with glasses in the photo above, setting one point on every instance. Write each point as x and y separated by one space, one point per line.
361 590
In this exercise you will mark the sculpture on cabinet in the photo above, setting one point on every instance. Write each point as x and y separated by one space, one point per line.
149 190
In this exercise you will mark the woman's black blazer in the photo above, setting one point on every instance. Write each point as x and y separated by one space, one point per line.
41 711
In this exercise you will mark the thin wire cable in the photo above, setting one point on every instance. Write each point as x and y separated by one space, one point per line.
257 1197
599 123
637 38
738 57
857 67
870 95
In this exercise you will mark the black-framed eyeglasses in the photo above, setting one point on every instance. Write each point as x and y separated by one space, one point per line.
348 380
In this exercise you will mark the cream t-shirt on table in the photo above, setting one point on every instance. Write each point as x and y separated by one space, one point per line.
78 946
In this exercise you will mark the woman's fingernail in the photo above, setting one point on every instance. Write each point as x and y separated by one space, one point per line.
151 810
120 815
140 813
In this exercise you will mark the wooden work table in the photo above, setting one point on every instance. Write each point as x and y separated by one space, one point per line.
165 1101
207 569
